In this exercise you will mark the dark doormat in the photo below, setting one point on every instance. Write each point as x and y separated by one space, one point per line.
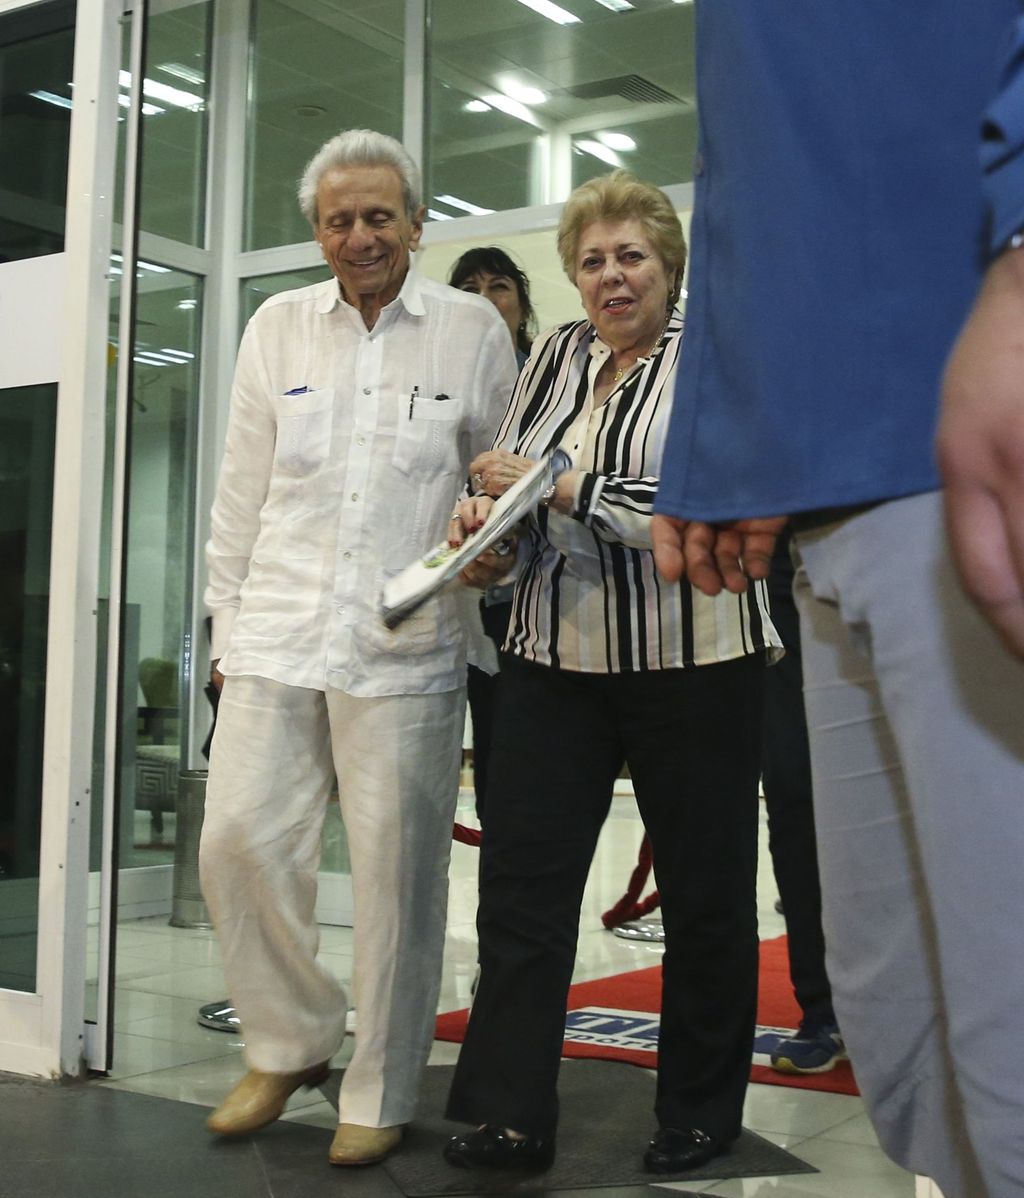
607 1118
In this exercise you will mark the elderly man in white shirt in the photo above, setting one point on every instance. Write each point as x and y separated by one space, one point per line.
357 406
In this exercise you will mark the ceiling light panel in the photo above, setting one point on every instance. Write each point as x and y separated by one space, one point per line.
180 71
595 148
615 140
524 93
463 205
617 5
553 12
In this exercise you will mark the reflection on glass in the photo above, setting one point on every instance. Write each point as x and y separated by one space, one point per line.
36 54
660 150
27 431
524 108
175 91
311 77
158 552
261 287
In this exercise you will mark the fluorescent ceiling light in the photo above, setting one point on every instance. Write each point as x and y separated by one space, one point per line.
140 265
599 151
180 71
435 215
186 305
52 98
147 109
463 205
181 354
521 91
617 5
162 91
512 107
560 16
616 141
472 106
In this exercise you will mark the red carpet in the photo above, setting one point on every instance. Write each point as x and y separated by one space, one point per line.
615 1019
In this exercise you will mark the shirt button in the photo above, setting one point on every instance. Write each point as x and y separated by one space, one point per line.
367 390
346 555
361 441
355 496
341 610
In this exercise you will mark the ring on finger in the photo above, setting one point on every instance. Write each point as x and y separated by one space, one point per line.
455 516
478 479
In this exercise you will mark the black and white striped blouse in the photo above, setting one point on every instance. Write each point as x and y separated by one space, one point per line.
588 596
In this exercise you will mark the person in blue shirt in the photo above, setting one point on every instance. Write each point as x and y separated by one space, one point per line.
839 236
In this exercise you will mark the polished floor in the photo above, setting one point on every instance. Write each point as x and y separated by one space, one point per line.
165 973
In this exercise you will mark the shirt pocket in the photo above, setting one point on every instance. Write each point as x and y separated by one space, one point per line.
303 430
432 626
427 438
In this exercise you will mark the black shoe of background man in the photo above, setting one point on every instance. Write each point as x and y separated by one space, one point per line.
492 1148
675 1151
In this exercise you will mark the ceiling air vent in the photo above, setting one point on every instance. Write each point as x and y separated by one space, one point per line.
630 87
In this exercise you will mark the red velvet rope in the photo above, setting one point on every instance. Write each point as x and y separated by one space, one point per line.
463 835
627 907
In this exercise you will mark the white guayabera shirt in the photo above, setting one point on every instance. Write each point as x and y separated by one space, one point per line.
345 453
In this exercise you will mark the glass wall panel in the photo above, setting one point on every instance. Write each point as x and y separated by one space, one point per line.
175 90
315 70
158 552
28 418
525 107
36 59
261 287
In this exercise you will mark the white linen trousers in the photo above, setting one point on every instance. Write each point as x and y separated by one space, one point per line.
272 768
916 721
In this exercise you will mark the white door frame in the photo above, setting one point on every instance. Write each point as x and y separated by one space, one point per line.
42 1034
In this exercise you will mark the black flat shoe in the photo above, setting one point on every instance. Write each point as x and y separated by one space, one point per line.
490 1148
675 1151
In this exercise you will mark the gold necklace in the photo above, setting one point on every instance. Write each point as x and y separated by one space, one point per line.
657 341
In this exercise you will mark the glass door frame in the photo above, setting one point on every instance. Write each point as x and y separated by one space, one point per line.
43 1032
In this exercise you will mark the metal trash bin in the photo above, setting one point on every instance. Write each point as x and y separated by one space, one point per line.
188 910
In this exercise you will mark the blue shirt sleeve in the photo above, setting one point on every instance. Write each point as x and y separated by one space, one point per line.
1002 146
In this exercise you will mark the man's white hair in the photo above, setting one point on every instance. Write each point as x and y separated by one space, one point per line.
359 147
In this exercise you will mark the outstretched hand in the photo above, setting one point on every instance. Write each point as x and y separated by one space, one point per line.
981 450
715 556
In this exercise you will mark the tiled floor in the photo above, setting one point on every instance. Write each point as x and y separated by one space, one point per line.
164 973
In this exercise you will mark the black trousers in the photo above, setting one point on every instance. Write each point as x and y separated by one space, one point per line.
692 739
788 797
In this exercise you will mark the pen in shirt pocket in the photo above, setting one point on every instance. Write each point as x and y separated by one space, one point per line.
438 398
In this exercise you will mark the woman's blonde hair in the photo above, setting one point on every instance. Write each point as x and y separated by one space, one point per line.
617 196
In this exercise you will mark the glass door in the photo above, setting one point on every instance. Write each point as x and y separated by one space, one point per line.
51 255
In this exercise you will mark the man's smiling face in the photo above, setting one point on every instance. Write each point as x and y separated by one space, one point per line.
365 232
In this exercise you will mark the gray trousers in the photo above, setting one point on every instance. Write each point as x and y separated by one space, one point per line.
916 719
275 755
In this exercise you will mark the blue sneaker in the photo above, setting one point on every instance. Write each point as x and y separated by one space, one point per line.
814 1049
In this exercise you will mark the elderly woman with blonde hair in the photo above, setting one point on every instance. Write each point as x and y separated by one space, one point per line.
604 664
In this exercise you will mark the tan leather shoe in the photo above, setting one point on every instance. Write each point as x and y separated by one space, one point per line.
259 1099
357 1145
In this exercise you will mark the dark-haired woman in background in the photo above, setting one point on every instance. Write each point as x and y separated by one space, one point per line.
490 272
